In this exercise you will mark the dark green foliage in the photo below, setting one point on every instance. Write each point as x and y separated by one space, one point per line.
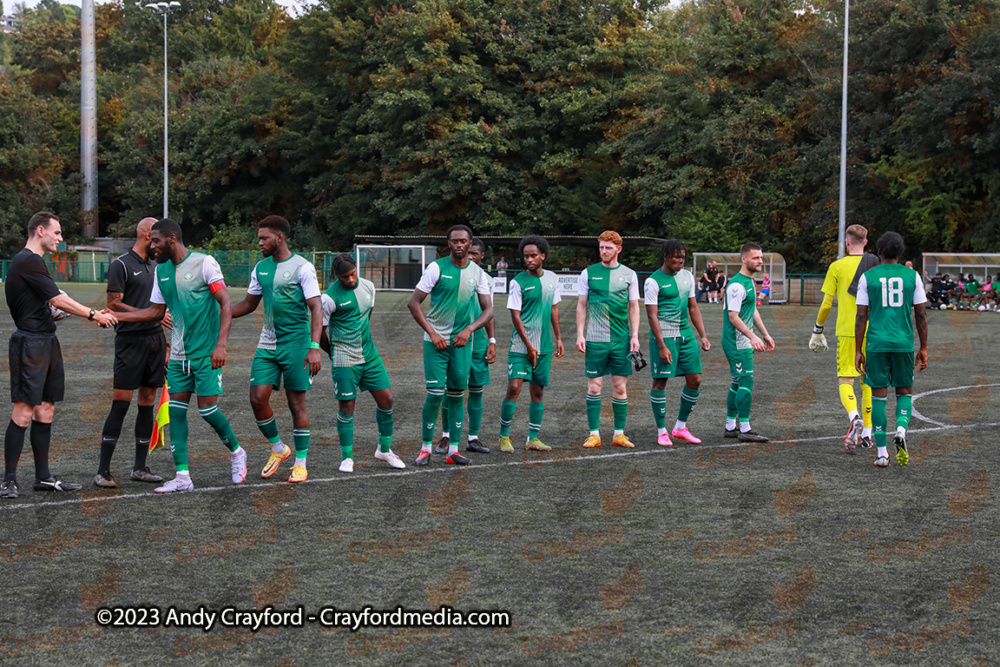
717 122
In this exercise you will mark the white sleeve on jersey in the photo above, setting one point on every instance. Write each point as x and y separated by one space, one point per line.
583 284
633 288
735 294
211 271
255 287
430 278
514 296
157 296
556 296
485 284
651 292
862 298
328 308
307 279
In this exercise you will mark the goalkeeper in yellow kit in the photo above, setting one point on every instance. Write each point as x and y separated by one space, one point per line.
842 282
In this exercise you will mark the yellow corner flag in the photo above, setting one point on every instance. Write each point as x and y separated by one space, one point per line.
162 419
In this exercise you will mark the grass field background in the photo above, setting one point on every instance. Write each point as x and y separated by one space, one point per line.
781 554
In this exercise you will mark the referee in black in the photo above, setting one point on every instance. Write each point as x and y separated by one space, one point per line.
37 380
140 356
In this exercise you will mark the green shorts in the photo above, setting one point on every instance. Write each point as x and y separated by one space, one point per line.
889 369
349 380
740 362
269 366
685 357
449 368
519 368
602 359
195 375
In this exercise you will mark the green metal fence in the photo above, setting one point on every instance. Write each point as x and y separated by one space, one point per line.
92 267
805 289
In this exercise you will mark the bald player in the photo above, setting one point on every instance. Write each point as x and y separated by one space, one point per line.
140 356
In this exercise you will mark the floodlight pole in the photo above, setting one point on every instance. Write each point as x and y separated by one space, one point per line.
842 224
88 121
165 8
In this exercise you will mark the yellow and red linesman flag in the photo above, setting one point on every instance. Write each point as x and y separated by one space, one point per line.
162 419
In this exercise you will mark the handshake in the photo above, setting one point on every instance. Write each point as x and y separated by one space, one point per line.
817 342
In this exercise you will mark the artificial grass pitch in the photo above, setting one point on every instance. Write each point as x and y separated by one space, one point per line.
790 552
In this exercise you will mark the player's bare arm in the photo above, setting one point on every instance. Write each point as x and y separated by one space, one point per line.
248 305
416 299
560 350
491 348
920 319
105 318
633 323
860 326
225 322
515 317
581 323
654 325
694 313
316 330
154 313
759 323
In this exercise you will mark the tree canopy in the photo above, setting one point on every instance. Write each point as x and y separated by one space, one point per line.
717 122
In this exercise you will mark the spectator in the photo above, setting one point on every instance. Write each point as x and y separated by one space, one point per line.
502 267
709 277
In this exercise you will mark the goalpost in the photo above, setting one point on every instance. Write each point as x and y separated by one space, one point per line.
393 267
730 263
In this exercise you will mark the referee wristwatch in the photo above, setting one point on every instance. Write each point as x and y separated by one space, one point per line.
91 316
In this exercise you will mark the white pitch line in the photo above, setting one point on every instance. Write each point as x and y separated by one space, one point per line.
916 413
452 469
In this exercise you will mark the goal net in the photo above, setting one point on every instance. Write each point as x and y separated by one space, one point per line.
393 267
729 263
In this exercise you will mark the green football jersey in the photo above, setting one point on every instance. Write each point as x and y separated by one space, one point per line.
890 291
534 296
608 292
284 286
346 313
453 293
741 296
972 287
670 294
188 292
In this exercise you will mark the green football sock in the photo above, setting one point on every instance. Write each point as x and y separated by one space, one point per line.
689 399
594 412
744 398
213 415
475 410
456 412
904 408
345 433
179 433
536 410
432 406
658 399
732 411
507 409
619 407
301 438
445 422
878 419
269 429
383 420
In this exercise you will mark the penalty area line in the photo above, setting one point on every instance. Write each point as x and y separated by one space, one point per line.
451 469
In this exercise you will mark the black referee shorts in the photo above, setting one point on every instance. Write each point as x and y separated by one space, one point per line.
36 369
139 360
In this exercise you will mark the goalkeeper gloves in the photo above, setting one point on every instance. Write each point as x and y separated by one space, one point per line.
817 343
